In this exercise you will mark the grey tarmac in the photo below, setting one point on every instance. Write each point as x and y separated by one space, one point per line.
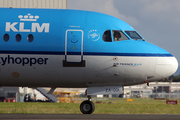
88 117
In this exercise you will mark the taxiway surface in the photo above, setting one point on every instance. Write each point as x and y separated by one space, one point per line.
87 117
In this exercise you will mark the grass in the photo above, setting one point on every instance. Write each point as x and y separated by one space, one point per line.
138 106
118 106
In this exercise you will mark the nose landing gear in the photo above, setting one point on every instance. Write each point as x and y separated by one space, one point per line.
87 106
147 83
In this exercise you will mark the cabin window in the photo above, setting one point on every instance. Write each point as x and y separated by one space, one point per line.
107 36
6 37
18 37
133 35
119 36
30 38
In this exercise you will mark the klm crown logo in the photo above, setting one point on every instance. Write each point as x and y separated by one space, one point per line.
28 17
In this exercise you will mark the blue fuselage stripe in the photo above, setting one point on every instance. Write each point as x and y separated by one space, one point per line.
87 53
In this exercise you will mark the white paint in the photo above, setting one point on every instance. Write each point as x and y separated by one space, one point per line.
11 26
104 90
35 27
99 71
44 26
21 28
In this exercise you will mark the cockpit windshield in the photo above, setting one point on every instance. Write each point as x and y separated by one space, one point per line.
134 35
119 36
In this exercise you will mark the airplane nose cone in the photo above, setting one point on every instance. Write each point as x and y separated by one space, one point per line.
166 66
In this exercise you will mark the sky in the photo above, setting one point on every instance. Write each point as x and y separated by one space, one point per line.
158 21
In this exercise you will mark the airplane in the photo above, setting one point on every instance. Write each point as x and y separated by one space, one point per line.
77 49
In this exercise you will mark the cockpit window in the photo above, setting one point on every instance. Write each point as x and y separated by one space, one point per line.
133 35
119 36
107 36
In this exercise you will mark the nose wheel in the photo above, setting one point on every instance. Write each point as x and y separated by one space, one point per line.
87 107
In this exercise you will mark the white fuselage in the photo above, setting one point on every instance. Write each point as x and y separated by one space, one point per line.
47 70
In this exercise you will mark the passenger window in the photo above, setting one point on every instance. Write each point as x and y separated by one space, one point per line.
6 37
30 38
18 37
107 36
119 36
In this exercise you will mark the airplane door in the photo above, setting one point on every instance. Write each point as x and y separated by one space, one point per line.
74 46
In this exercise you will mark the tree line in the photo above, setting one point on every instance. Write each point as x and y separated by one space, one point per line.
171 78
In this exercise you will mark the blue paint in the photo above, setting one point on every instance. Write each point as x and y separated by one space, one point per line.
59 21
